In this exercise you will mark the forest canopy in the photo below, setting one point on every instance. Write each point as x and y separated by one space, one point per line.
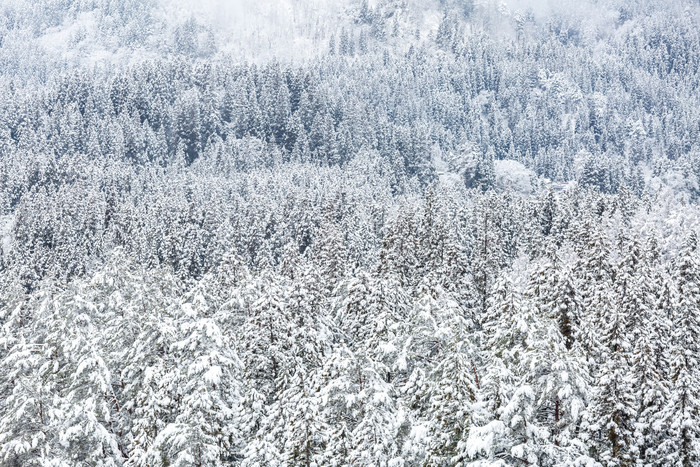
446 233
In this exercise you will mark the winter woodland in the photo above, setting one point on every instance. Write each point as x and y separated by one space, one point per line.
383 233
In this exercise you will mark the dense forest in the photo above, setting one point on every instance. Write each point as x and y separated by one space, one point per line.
458 233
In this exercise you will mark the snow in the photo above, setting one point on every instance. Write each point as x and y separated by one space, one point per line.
259 30
481 439
6 223
170 305
514 175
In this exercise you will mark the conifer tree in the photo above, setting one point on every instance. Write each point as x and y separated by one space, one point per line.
557 371
651 372
612 409
508 430
206 391
683 406
305 433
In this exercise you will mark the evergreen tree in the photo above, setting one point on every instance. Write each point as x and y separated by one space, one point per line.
651 373
683 404
206 392
508 430
557 371
611 413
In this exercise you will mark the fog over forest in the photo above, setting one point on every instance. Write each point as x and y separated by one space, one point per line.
380 233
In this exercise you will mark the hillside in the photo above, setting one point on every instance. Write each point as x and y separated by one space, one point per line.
352 233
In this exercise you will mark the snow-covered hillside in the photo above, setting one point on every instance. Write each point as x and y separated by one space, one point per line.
381 233
41 36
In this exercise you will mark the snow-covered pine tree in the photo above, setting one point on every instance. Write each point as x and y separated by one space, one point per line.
597 294
611 412
438 356
651 372
487 255
305 434
375 437
557 372
88 428
337 388
207 390
507 430
30 422
650 359
683 406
